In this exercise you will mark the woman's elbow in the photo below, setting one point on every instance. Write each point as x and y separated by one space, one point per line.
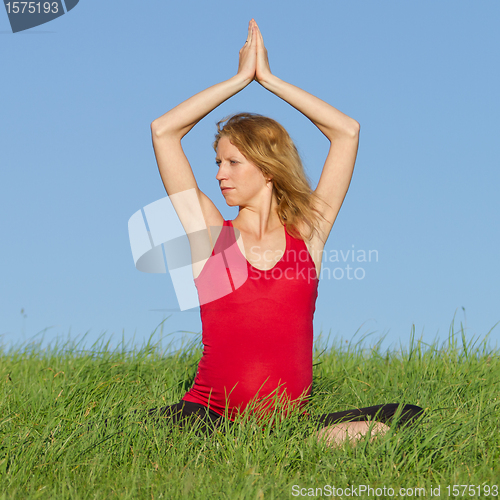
154 128
354 128
160 129
349 129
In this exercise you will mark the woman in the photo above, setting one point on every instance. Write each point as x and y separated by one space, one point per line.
257 309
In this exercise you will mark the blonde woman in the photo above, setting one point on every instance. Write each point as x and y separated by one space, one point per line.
258 334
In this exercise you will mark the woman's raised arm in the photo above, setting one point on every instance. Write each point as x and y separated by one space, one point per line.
195 210
341 130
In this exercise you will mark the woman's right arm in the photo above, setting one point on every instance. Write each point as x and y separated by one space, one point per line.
189 201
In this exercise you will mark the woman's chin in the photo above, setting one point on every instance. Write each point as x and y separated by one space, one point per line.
230 203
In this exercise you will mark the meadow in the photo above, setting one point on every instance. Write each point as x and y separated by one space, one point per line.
61 438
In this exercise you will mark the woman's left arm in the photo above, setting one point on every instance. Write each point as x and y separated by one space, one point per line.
341 130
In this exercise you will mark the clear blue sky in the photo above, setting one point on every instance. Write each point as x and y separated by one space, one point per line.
76 159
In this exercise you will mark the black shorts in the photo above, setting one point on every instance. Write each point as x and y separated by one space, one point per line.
186 413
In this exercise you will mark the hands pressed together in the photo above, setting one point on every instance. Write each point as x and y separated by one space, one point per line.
254 63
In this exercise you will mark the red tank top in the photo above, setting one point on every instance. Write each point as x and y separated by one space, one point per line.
257 328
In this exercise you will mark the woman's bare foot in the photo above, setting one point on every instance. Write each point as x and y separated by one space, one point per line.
336 435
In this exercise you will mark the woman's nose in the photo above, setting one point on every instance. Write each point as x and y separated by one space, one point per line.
220 174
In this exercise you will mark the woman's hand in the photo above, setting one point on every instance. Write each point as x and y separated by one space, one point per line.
248 54
262 70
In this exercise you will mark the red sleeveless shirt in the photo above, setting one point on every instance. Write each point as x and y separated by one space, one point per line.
257 328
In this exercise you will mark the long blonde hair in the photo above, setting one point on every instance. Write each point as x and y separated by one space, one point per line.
264 142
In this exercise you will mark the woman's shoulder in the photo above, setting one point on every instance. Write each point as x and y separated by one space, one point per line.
302 234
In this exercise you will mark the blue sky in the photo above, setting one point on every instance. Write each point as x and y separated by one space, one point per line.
76 161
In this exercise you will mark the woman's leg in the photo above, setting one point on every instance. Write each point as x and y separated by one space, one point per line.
186 413
335 428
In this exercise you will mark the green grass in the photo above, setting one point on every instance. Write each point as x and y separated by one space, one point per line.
54 401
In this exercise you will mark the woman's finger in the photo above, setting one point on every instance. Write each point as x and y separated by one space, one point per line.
248 53
263 69
249 36
258 37
251 31
259 34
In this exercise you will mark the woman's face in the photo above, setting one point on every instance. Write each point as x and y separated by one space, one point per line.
245 182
